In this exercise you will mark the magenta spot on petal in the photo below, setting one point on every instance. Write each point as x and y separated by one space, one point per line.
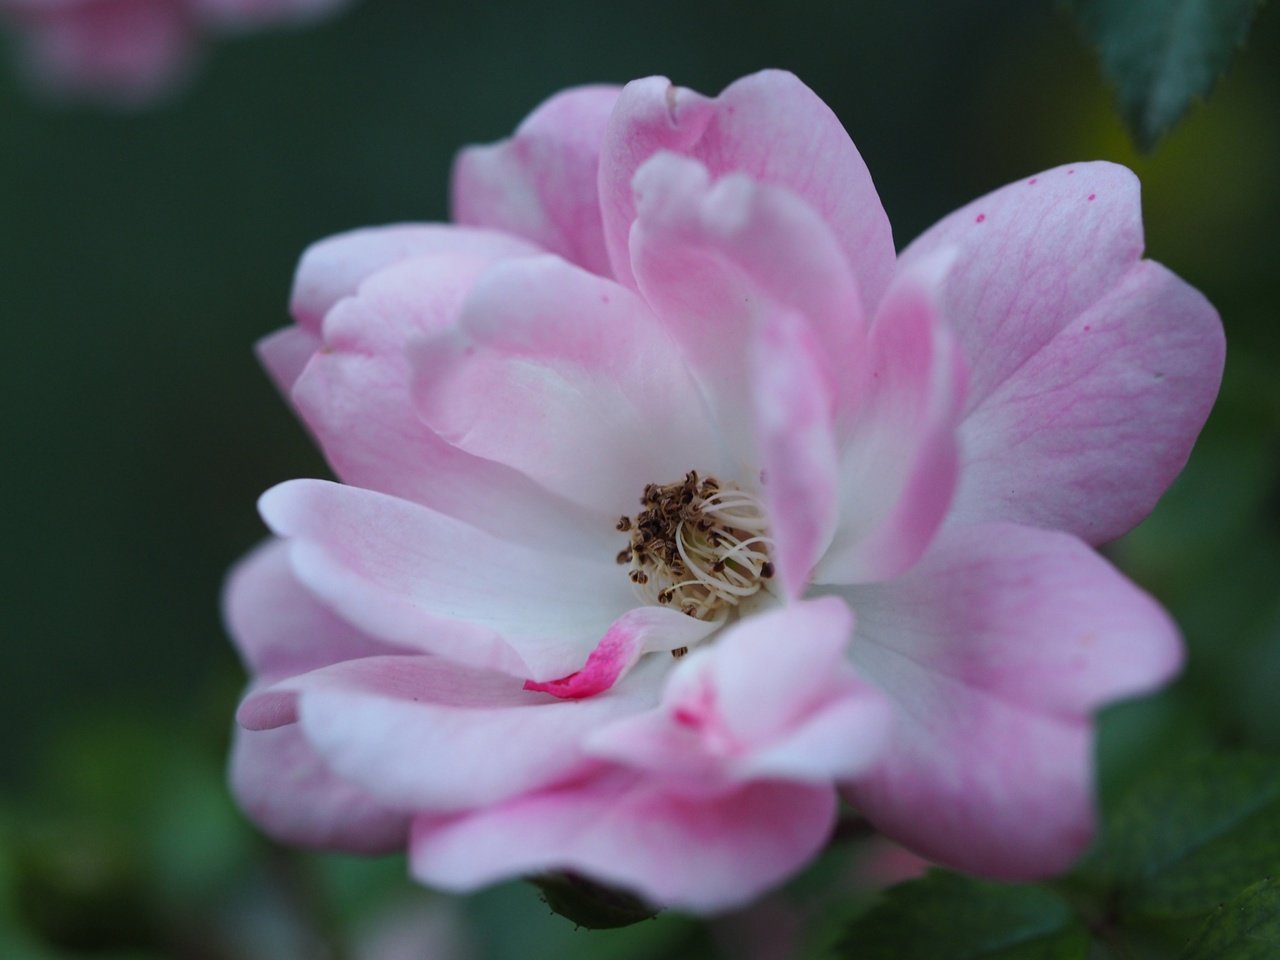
1087 328
613 656
980 217
1070 172
1032 182
576 686
604 298
686 717
1093 196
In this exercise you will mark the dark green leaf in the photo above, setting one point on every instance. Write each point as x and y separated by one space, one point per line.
1190 836
948 917
1160 55
589 904
1247 928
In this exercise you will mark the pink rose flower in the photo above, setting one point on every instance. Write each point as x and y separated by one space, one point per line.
132 51
676 505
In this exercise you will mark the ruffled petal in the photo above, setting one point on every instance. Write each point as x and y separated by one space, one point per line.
898 463
424 734
355 395
772 128
719 263
280 628
773 699
795 423
285 353
711 255
541 183
334 268
566 377
412 576
996 649
1091 430
703 854
282 786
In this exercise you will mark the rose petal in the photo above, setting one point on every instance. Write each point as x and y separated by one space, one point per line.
541 183
899 458
795 423
1031 257
424 734
355 396
772 128
285 354
566 377
772 699
281 629
283 787
1091 430
334 268
416 577
996 648
701 854
710 256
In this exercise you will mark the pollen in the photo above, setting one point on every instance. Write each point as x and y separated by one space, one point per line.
697 546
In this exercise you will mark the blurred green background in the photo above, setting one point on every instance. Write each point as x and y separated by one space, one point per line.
142 253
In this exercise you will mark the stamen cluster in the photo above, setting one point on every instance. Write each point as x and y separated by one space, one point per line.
698 546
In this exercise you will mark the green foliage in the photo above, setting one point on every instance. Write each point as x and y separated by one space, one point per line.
1161 55
1247 928
1183 841
1194 833
948 917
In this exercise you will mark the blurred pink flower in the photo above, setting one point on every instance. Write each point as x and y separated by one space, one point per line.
666 387
131 51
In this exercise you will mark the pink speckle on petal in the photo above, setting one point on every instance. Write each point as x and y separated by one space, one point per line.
1093 196
980 217
1070 172
1032 181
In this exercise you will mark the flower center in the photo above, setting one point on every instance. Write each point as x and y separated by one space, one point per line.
699 546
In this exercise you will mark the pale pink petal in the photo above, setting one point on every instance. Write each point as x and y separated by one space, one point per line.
637 632
285 789
335 267
281 629
772 128
695 853
421 733
718 261
541 183
1031 257
566 377
899 458
1090 431
795 422
410 575
285 354
355 397
772 699
707 252
996 648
